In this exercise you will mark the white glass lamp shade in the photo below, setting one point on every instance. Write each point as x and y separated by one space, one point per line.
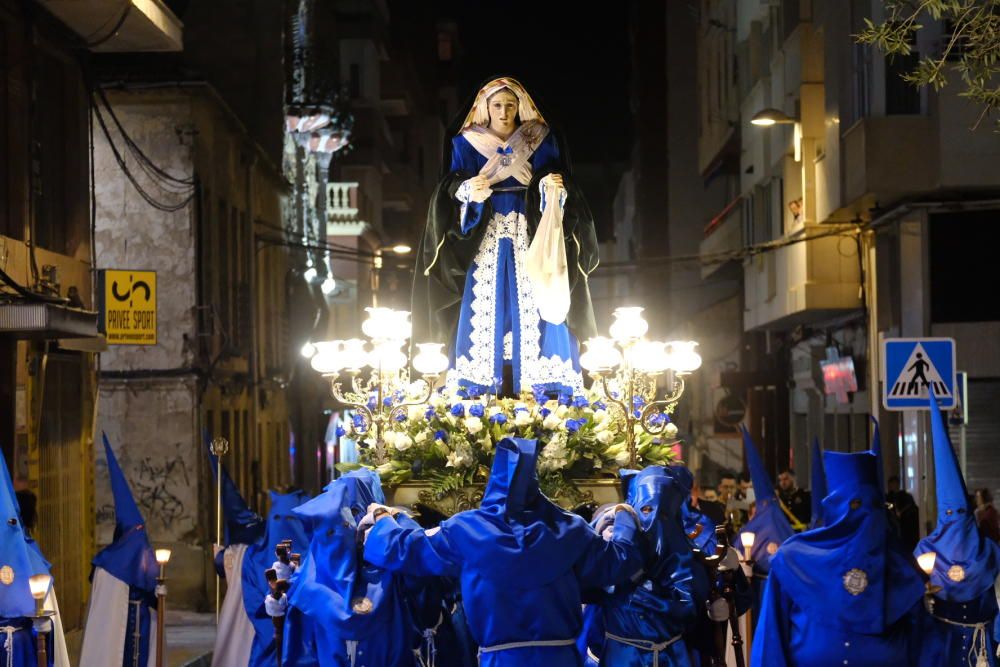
401 327
683 357
379 323
747 539
39 584
650 356
162 556
308 350
629 324
926 562
600 354
430 359
354 356
328 358
386 356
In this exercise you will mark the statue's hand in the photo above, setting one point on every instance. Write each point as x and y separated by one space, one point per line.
554 181
479 189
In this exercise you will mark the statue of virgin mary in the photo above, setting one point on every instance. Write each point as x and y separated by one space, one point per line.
501 275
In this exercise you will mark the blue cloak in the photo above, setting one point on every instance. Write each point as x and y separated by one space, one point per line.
847 591
966 567
642 622
522 562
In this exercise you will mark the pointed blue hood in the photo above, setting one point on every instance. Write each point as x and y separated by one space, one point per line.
129 557
19 559
877 450
657 493
333 572
853 571
769 524
817 482
241 524
967 562
516 529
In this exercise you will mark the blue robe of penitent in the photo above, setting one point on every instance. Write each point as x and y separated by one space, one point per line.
846 593
344 612
124 574
20 559
769 524
282 524
522 562
498 321
963 631
642 622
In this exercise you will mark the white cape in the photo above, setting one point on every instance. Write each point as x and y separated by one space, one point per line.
107 622
234 636
60 656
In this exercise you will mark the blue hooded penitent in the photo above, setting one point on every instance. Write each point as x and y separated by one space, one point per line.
339 604
242 525
817 480
966 566
769 524
19 561
846 593
641 622
522 562
282 524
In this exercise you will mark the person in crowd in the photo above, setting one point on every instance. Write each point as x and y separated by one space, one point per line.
709 507
121 620
966 565
522 561
905 510
795 500
726 487
847 593
642 623
987 517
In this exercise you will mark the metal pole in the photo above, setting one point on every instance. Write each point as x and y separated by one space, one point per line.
161 608
219 447
962 450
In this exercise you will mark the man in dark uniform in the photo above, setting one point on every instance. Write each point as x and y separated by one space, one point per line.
797 501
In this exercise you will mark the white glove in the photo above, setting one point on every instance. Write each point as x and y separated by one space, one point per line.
276 607
282 570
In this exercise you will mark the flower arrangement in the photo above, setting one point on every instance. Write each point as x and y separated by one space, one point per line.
449 441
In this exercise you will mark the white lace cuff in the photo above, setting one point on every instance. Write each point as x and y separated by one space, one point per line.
541 191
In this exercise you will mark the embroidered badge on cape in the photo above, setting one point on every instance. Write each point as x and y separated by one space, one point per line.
772 548
956 573
6 575
855 581
362 606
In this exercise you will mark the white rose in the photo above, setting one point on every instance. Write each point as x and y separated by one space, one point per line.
415 412
605 437
425 436
473 425
438 401
494 410
552 421
402 442
622 458
671 429
522 418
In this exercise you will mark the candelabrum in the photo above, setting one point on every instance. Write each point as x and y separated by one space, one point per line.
627 367
162 557
386 393
39 586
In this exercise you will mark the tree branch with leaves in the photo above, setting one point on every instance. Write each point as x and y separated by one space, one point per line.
971 50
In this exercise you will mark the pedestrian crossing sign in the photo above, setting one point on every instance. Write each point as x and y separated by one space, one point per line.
911 366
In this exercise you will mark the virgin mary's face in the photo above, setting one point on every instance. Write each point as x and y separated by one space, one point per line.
503 112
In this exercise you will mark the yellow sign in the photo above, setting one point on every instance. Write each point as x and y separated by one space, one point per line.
128 313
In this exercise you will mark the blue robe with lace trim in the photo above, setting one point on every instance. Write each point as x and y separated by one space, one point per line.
498 322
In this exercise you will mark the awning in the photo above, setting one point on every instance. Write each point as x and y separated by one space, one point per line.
46 321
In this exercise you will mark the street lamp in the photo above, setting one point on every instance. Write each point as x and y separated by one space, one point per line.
39 586
628 367
770 116
383 396
162 557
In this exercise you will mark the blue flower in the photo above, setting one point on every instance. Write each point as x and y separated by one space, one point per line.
565 399
477 410
430 414
573 425
359 422
638 401
463 392
401 417
498 418
458 410
372 402
580 402
599 405
658 419
441 435
387 401
541 396
544 412
340 431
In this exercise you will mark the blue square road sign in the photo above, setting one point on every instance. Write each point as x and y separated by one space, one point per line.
911 366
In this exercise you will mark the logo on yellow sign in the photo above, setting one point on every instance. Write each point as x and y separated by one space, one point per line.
128 312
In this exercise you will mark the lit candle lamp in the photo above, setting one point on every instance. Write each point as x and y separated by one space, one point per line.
747 538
